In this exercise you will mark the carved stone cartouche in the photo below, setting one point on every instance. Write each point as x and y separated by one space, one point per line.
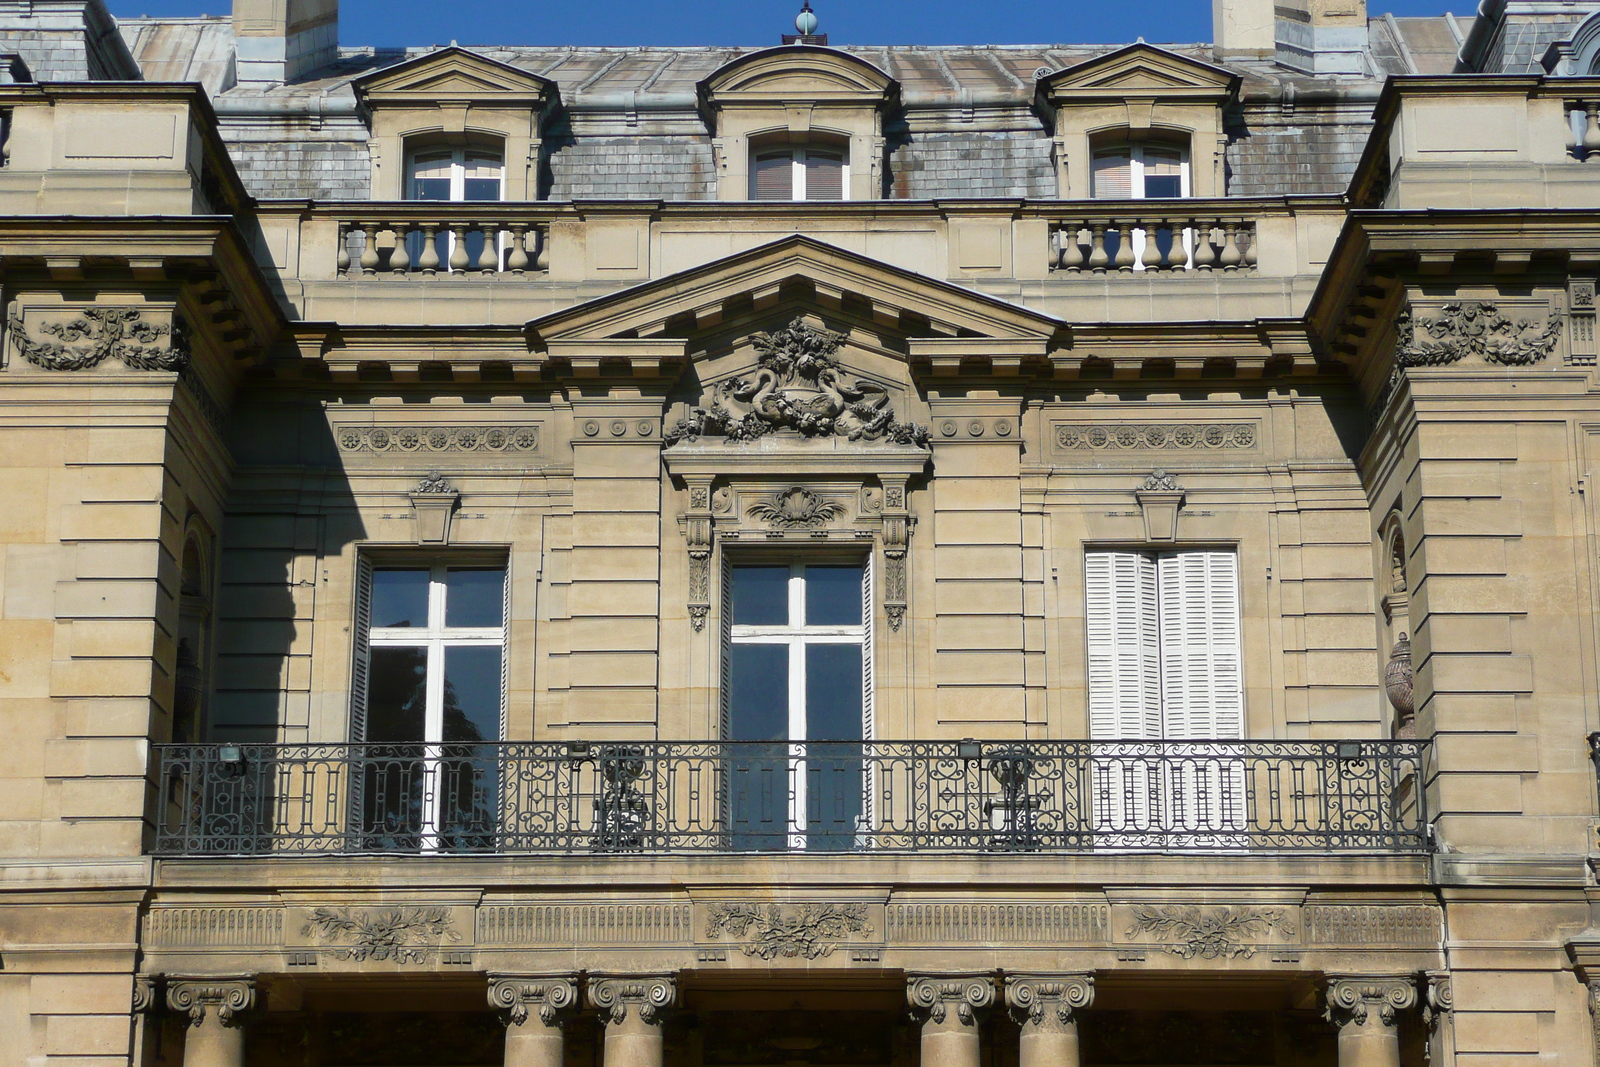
798 386
1477 328
101 333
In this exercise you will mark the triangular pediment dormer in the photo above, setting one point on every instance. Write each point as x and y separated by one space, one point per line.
455 75
1139 70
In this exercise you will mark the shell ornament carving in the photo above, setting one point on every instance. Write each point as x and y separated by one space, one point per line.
797 509
798 386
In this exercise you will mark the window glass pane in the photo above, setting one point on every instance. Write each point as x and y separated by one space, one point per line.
758 692
397 695
833 692
772 177
474 596
833 596
760 596
1163 172
471 693
824 176
481 189
399 597
1111 175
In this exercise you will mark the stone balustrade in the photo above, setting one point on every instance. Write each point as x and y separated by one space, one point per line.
1583 126
1136 238
448 241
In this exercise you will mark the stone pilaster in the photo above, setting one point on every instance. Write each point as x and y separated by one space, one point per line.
632 1008
950 1007
1046 1007
216 1006
1366 1009
1439 1015
534 1008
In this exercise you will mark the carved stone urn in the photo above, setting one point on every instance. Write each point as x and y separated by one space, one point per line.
1398 680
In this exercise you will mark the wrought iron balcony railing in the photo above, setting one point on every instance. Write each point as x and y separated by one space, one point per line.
718 797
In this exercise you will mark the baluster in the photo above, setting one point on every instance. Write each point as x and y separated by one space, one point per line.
1230 257
1204 255
541 239
369 247
1577 122
1071 251
1098 259
1151 258
1248 230
400 258
342 259
517 261
429 260
458 248
489 255
1591 132
1124 261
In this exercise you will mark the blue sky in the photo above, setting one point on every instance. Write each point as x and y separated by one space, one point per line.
759 22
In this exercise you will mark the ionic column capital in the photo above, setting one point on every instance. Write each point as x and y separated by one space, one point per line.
650 995
517 996
224 997
1048 1002
1353 998
932 996
144 994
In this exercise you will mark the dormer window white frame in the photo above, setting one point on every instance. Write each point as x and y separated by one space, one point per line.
815 172
1139 170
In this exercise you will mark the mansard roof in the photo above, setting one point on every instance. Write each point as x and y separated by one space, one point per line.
897 299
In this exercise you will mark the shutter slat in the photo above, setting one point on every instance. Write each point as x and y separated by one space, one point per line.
361 653
824 176
772 177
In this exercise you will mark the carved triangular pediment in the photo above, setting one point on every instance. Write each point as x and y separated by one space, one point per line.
456 73
825 274
1140 68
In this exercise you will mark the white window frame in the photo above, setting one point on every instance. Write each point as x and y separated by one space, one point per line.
1135 151
458 193
796 635
436 637
797 172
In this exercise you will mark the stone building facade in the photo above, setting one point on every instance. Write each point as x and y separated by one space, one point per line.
800 556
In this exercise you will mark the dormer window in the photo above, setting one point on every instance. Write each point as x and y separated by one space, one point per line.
1139 171
811 173
456 174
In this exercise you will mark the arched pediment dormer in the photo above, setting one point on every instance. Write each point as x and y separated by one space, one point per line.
1135 95
455 97
798 98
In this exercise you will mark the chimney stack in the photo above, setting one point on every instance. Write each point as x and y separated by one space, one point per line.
277 41
1314 36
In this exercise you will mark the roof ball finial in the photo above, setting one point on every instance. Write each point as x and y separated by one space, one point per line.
806 21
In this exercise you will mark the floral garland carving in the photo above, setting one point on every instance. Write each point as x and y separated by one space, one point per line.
798 386
1473 328
402 935
809 931
1196 933
99 333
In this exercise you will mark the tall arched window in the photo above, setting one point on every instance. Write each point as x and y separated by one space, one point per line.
1139 170
812 172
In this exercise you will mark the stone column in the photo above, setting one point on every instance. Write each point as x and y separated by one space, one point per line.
1366 1009
215 1006
533 1007
633 1007
1045 1006
950 1007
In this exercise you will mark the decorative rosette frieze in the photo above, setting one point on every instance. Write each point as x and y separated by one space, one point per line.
651 996
1353 999
1048 1002
225 998
518 997
935 996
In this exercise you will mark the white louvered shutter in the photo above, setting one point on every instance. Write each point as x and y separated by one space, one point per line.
1124 692
1202 693
1124 667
